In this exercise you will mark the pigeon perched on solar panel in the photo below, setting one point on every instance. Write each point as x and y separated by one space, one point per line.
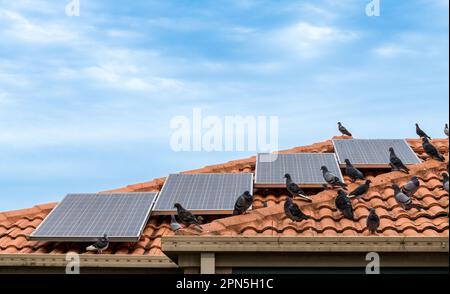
411 187
294 189
361 190
174 225
344 205
373 221
353 172
343 130
99 246
421 133
446 129
431 150
331 178
293 212
186 217
243 203
445 182
404 200
396 163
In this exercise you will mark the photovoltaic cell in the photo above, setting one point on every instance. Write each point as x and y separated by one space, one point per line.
304 168
373 152
203 193
86 217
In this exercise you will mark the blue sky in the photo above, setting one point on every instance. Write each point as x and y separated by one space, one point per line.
85 102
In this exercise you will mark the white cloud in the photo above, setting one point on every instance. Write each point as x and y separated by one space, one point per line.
393 51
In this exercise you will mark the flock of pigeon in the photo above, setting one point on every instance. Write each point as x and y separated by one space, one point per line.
343 201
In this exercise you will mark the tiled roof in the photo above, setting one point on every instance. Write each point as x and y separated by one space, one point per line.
15 226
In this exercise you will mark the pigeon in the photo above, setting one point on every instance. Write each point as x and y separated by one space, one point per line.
446 129
421 133
344 205
361 190
343 130
445 182
404 200
431 150
396 163
352 172
293 212
331 178
243 203
174 225
411 187
373 221
186 217
101 244
294 189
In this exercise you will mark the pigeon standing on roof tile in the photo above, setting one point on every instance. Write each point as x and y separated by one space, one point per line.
294 189
361 190
446 130
445 181
353 172
186 217
344 130
99 246
174 225
243 203
373 221
421 133
431 150
404 200
411 187
293 212
396 163
331 178
344 205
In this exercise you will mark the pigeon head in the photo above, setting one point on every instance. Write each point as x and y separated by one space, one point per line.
247 195
425 139
396 188
372 210
324 168
287 176
417 125
445 176
339 124
368 182
177 206
341 193
391 150
415 180
347 162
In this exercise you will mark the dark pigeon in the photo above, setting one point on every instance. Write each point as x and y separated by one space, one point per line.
352 172
344 130
294 189
411 187
331 178
174 225
293 212
421 133
396 163
243 203
404 200
99 246
445 182
361 190
431 150
344 205
186 217
373 221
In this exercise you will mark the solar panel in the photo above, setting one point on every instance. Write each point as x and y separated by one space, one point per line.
203 193
372 153
304 169
86 217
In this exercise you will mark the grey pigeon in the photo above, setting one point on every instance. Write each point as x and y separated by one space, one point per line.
352 172
446 129
294 189
421 133
344 130
293 212
331 178
99 246
431 150
243 203
361 190
373 221
344 205
174 225
186 217
411 187
396 163
445 182
404 200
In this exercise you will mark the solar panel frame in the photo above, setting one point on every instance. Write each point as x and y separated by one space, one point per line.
83 237
200 211
408 159
331 162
